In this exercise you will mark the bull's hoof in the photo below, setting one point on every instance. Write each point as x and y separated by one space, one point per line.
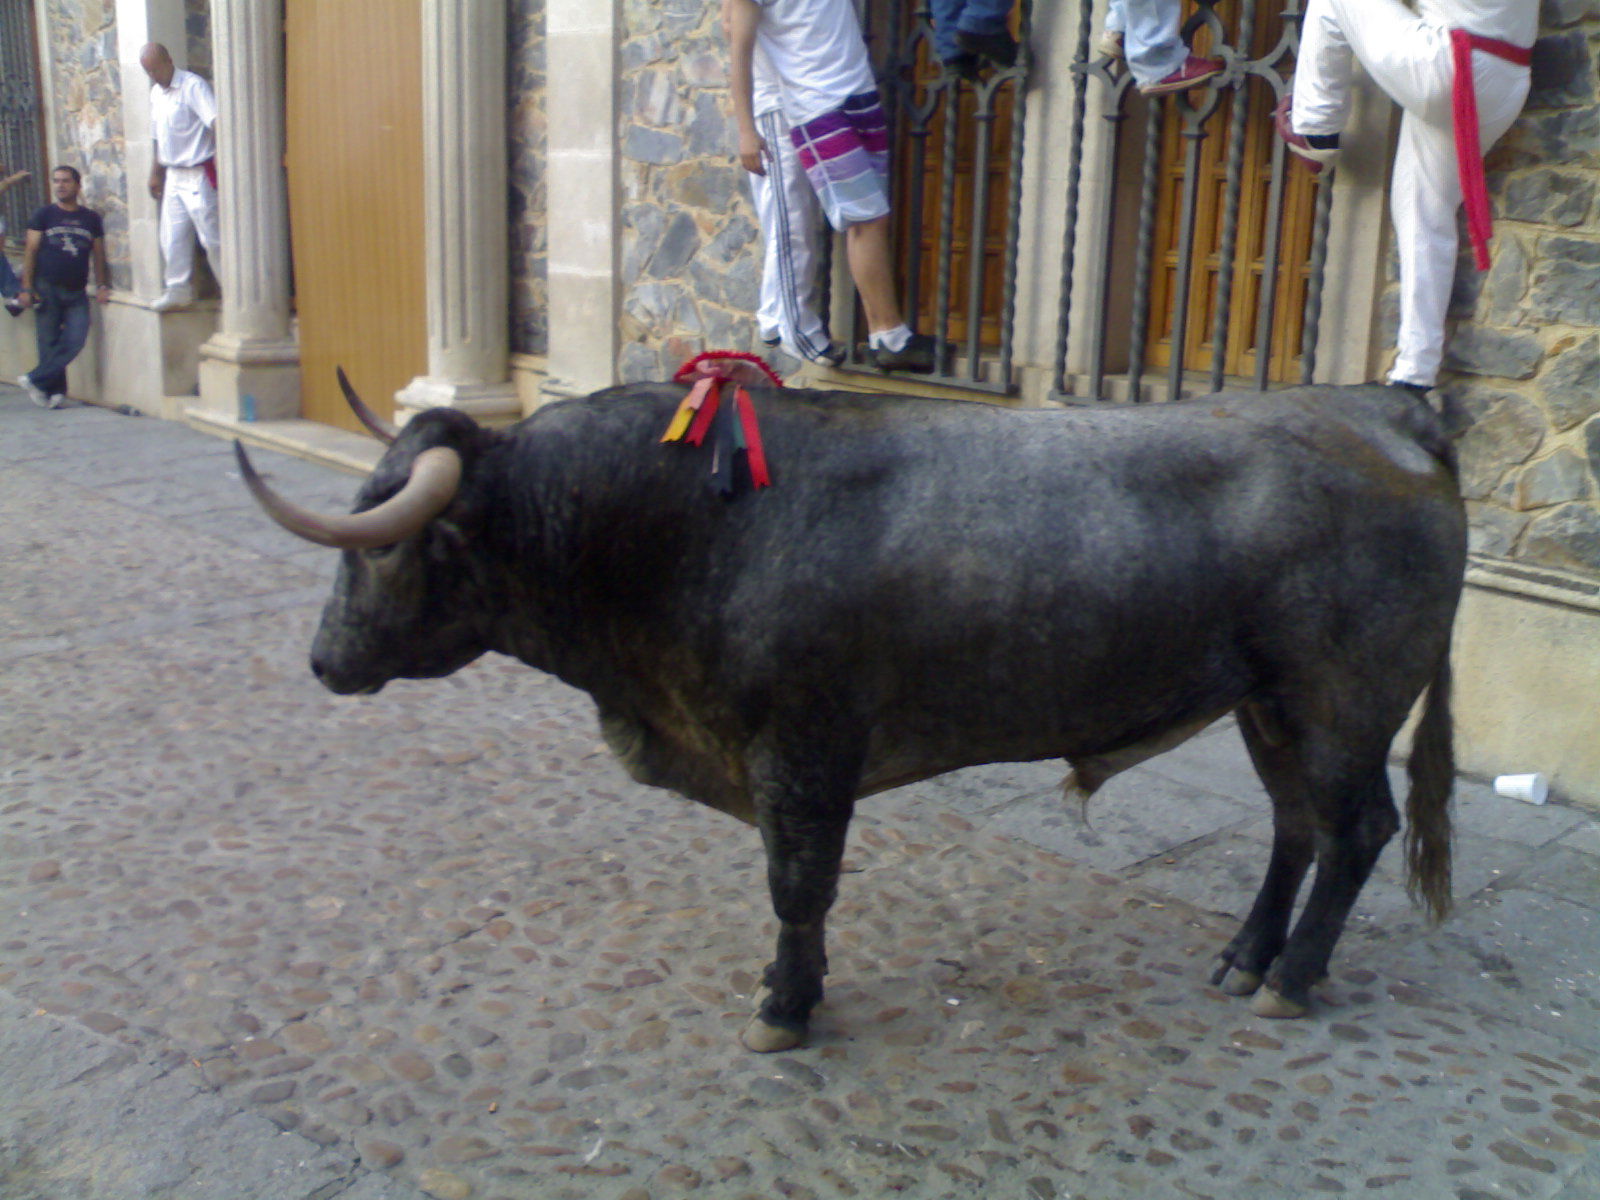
1268 1003
766 1038
1239 982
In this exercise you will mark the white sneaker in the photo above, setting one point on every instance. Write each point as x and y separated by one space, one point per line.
35 393
59 401
170 300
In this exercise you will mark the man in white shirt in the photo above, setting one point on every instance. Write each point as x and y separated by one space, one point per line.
786 209
830 98
183 178
1459 70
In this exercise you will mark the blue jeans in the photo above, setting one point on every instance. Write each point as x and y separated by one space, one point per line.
61 326
10 285
965 16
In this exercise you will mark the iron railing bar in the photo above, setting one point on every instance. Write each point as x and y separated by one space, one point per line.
1312 316
1142 264
1227 254
1008 275
1069 237
978 230
947 204
1266 312
1194 133
1108 229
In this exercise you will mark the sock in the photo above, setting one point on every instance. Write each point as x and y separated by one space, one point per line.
893 340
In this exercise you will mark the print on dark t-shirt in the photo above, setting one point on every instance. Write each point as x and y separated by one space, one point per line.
64 247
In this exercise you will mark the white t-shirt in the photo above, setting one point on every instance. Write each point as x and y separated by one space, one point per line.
765 95
182 114
817 53
1515 21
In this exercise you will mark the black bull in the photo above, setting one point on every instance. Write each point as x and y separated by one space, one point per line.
931 585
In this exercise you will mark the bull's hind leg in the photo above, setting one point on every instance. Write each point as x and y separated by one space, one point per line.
804 816
1324 768
1261 938
1355 819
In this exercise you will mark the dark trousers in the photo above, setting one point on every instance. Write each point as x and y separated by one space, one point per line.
61 326
10 285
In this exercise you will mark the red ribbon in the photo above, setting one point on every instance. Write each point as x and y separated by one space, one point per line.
1469 155
752 440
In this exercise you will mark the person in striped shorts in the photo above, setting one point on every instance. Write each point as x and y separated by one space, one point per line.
830 98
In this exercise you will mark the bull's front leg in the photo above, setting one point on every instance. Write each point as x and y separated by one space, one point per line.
804 815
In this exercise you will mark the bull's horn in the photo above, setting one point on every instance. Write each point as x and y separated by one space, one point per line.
435 476
376 425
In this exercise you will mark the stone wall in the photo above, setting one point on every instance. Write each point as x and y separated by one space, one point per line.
197 31
691 266
86 108
525 132
1524 359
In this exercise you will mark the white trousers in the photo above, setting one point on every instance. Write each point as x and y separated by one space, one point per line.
188 210
1150 42
1409 58
791 228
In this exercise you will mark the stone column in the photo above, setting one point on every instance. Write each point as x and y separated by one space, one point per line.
250 368
464 191
584 297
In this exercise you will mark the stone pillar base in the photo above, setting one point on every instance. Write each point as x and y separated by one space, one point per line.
492 403
250 380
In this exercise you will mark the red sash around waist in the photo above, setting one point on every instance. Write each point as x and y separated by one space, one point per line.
1469 155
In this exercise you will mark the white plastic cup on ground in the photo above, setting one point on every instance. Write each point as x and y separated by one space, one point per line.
1533 789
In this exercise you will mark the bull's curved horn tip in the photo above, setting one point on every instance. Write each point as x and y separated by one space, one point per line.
383 430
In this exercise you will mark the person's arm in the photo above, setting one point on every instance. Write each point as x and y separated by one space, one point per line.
158 173
97 256
743 17
30 256
11 181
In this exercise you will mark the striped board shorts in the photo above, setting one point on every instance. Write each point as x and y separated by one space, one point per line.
845 155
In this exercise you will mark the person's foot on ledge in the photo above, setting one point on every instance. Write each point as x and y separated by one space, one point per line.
171 300
1192 73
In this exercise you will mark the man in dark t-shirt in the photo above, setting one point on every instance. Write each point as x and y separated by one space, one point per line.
64 240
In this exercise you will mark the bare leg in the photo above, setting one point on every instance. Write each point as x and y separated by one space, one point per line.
867 246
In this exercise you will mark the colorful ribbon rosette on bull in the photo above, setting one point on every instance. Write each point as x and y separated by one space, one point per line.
731 423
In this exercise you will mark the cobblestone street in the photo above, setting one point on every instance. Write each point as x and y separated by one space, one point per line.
434 942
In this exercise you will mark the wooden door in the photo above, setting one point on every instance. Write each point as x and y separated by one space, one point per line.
354 109
1288 274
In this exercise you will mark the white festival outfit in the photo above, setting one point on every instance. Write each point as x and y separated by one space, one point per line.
1409 55
791 227
184 115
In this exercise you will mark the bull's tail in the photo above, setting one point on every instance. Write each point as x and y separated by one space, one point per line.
1432 769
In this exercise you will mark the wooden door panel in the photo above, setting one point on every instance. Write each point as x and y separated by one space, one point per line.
354 111
1289 273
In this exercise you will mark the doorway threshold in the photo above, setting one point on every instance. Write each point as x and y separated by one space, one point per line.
356 453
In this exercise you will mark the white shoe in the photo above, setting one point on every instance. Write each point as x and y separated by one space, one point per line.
36 394
59 401
171 300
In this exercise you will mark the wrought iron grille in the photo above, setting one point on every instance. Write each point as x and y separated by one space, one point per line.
22 144
1123 271
960 285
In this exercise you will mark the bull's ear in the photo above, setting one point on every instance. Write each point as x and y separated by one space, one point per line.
445 540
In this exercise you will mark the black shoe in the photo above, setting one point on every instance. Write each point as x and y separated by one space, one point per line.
998 48
919 355
965 66
1416 389
830 355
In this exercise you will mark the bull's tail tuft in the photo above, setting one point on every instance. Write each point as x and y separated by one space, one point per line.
1432 769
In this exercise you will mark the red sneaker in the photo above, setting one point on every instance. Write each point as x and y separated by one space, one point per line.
1316 157
1193 72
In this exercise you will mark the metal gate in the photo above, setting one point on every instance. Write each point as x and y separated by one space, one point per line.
22 144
